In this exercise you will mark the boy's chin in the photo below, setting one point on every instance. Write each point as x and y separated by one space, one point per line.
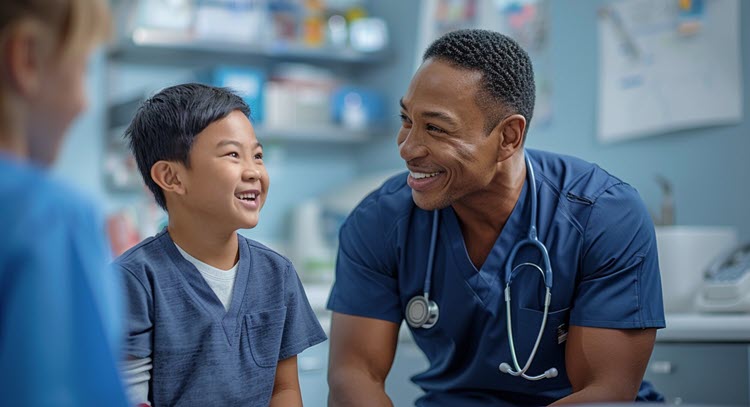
247 224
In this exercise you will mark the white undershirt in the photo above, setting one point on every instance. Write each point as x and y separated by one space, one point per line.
137 372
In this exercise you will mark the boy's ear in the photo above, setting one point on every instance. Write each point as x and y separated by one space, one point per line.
166 174
25 48
511 133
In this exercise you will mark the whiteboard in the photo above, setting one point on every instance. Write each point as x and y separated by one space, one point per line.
654 79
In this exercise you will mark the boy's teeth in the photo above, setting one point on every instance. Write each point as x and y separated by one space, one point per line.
247 196
420 175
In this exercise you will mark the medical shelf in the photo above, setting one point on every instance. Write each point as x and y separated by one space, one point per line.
330 134
154 46
319 135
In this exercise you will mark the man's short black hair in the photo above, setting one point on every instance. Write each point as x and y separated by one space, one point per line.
507 74
166 124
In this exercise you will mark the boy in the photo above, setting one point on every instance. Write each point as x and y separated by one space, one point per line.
215 318
59 308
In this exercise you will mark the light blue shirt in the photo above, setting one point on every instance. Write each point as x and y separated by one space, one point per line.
603 254
60 303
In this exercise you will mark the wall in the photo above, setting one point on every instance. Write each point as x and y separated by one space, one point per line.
705 165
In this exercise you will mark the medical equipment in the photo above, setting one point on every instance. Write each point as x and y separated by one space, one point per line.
421 312
726 286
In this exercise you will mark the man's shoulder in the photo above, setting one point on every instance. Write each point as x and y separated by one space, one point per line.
392 199
572 177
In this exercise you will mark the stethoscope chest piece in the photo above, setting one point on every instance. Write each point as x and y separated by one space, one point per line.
421 312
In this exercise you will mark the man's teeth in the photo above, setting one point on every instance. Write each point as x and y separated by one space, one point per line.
248 196
420 175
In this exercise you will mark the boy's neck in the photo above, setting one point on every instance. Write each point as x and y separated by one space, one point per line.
217 249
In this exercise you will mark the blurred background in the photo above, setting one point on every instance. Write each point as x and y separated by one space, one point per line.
651 90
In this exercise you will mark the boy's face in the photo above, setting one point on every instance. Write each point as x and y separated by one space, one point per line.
227 182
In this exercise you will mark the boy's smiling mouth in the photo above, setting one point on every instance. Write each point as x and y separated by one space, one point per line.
249 199
247 196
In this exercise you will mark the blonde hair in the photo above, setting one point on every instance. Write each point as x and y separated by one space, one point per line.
78 25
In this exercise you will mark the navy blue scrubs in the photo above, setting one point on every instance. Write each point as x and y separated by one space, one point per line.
603 254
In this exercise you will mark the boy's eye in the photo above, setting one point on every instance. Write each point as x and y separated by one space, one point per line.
234 154
259 156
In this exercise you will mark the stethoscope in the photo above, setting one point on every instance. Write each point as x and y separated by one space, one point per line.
421 312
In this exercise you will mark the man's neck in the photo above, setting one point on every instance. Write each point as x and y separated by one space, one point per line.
483 215
215 248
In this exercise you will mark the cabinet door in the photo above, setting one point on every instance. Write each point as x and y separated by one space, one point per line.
699 373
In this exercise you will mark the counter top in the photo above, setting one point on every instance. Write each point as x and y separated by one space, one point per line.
681 327
694 327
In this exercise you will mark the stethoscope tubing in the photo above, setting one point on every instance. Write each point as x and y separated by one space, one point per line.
533 240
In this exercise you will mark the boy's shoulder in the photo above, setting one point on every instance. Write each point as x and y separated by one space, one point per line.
146 255
263 253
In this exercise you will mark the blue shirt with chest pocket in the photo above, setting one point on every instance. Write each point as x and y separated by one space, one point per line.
202 353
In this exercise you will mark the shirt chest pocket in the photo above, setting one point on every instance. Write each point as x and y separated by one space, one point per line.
264 331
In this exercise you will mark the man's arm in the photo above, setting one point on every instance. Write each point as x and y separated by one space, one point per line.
606 364
362 351
286 390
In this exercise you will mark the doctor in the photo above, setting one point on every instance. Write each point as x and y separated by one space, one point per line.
526 277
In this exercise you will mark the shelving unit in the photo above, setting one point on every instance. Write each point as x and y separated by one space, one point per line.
300 138
155 46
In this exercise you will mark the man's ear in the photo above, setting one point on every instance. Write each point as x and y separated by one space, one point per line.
511 131
25 52
167 174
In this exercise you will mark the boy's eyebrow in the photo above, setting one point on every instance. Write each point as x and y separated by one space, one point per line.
438 115
236 143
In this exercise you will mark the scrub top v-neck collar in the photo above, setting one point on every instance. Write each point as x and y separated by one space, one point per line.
198 288
488 280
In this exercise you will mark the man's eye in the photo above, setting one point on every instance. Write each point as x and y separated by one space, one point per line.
404 119
234 155
434 129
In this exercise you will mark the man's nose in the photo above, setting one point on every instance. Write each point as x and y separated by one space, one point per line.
411 144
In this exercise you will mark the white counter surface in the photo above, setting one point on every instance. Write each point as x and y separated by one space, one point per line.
693 327
682 327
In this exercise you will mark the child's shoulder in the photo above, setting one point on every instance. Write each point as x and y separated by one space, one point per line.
149 252
262 252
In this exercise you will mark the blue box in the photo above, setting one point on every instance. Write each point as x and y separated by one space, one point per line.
249 83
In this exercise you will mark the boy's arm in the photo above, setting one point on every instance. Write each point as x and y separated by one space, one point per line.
136 374
286 390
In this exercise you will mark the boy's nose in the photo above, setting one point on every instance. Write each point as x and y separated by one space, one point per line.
251 173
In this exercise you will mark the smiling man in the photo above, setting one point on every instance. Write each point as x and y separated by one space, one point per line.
526 277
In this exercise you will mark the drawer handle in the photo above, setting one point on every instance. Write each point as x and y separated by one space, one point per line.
661 367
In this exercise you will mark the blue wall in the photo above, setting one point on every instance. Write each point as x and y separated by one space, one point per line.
705 165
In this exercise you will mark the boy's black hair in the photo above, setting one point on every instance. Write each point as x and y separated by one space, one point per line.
507 74
166 124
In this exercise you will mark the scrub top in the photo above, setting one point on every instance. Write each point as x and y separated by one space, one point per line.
60 305
204 354
602 250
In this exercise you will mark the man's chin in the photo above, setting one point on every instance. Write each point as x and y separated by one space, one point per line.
428 203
